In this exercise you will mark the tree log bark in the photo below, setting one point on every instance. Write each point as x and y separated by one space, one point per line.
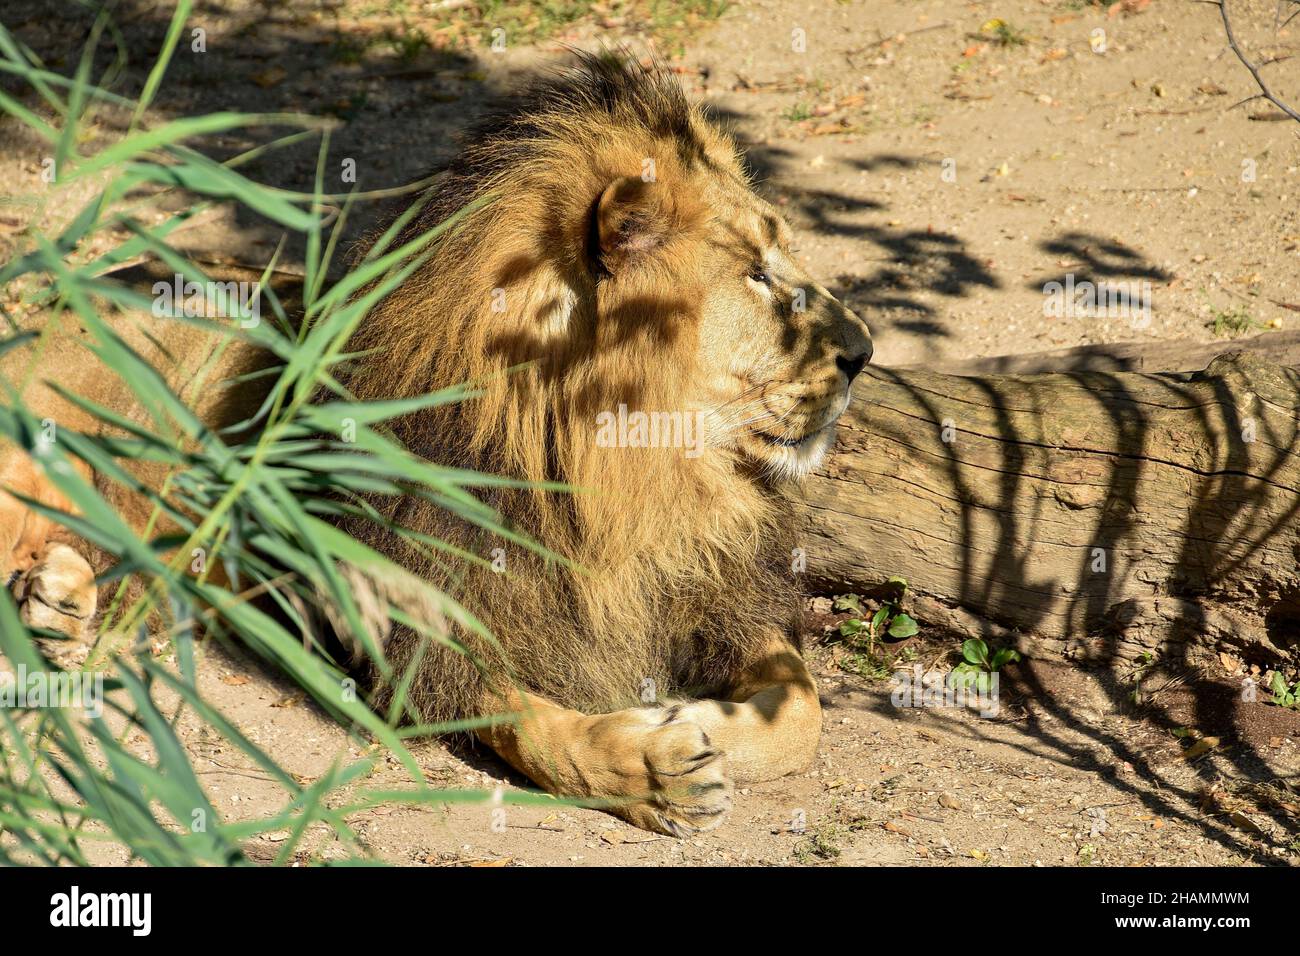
1280 347
1091 514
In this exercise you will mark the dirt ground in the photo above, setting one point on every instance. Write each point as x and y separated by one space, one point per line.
1070 772
937 174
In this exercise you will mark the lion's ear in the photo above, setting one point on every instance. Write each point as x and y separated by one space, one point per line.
633 217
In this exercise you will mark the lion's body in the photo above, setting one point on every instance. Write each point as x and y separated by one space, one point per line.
199 366
618 261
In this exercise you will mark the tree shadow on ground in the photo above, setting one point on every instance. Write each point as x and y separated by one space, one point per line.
1099 258
398 110
898 269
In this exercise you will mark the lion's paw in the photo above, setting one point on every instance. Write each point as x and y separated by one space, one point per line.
58 593
678 776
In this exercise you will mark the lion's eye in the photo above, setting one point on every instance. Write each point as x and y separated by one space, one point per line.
759 275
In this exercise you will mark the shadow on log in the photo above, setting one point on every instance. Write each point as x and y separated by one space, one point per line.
1086 514
1280 347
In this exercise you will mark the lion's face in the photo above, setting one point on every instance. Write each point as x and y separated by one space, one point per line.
774 352
779 352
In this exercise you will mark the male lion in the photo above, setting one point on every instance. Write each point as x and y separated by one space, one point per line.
642 333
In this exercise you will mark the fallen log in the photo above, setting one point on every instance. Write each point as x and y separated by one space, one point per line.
1280 347
1089 514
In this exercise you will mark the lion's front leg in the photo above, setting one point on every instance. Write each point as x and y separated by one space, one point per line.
772 722
659 768
666 764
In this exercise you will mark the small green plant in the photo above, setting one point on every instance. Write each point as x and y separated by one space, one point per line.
822 842
977 667
864 636
889 619
1229 322
673 21
1284 694
923 114
1142 667
798 113
408 43
676 13
1003 33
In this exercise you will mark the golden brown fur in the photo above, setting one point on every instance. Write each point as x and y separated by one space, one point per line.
682 563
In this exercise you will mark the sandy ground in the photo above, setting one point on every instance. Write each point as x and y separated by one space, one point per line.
1125 166
1069 772
937 179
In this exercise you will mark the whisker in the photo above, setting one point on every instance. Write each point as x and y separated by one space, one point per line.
744 394
728 427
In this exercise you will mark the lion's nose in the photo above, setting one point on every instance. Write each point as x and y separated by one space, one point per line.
852 365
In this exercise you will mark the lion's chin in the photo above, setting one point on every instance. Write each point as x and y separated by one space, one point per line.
794 461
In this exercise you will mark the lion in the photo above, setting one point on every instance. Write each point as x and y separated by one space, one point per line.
638 330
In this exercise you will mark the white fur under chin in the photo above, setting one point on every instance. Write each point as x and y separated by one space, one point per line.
797 463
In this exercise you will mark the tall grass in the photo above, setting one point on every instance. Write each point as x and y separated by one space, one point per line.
261 498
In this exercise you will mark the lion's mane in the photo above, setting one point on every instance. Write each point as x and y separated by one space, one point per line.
674 568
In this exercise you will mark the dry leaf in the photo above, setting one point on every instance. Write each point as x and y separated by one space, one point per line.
1243 822
1200 748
